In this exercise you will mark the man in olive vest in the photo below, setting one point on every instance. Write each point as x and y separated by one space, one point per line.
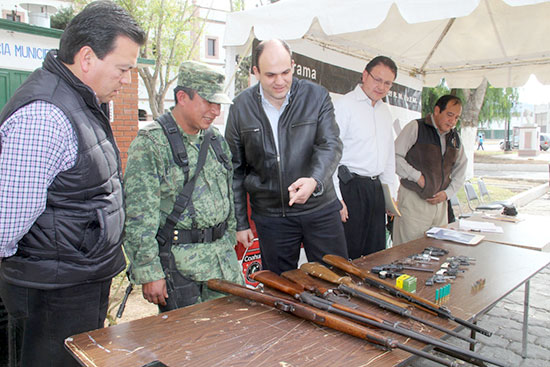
430 161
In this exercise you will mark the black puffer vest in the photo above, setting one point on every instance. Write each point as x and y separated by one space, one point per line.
425 156
78 237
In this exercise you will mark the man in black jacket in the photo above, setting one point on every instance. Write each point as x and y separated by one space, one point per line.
61 203
284 140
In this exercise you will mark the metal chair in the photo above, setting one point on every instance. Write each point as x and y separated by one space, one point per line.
483 192
471 195
456 203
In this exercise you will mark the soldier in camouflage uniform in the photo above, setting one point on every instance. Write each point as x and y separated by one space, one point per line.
153 181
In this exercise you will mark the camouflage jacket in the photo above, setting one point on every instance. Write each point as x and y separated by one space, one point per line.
152 182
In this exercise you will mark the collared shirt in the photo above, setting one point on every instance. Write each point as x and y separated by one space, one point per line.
407 138
367 134
273 114
37 143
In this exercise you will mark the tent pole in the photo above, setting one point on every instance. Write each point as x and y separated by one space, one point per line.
443 34
231 70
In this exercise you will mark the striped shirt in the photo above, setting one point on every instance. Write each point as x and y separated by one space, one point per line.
37 142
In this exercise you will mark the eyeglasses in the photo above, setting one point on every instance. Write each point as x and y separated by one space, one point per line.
379 81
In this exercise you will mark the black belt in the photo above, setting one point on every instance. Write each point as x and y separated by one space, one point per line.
210 234
355 175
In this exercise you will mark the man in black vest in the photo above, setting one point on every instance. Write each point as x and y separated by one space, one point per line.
430 160
61 212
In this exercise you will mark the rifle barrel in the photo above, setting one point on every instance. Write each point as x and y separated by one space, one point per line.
347 285
402 312
418 301
279 283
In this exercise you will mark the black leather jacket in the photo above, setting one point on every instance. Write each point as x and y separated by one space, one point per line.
309 146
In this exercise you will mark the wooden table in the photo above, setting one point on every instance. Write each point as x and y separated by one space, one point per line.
531 232
233 332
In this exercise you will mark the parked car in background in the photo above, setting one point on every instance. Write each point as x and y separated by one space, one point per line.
544 141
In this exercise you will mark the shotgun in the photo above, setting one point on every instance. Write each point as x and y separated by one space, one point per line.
323 272
320 317
415 300
279 283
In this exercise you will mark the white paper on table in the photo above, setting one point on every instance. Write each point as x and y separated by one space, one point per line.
477 226
455 236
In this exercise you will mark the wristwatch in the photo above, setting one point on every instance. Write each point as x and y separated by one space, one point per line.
319 189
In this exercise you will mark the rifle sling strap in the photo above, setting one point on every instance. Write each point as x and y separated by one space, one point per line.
182 201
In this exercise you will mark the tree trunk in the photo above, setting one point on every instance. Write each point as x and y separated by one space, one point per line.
469 121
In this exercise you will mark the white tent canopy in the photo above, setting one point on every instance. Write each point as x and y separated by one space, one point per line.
460 40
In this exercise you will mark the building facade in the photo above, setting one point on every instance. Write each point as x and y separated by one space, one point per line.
23 48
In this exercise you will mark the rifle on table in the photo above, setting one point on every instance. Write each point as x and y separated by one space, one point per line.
346 283
281 284
417 301
315 286
321 317
325 273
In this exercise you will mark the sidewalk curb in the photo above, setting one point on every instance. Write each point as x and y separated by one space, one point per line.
511 167
526 197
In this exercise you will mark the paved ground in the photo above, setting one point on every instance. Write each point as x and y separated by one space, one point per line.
511 165
506 318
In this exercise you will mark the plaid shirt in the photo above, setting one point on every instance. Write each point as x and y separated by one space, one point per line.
36 143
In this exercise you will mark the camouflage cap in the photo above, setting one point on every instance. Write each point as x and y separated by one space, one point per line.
205 80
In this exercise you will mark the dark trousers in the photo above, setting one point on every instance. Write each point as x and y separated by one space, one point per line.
280 238
42 319
365 228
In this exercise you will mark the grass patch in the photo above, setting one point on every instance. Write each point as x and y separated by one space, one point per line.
488 152
497 193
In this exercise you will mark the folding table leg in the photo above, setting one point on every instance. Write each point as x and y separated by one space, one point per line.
525 320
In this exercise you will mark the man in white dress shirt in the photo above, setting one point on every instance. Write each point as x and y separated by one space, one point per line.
368 159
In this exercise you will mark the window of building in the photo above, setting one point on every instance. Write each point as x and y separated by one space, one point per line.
212 47
12 15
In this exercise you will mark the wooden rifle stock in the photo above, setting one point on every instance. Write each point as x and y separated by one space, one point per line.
321 271
310 284
279 283
303 311
318 287
320 317
414 299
